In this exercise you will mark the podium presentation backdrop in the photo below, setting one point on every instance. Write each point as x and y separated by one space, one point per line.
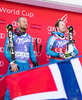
40 24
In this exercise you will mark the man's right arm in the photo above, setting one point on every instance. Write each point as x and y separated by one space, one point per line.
8 56
6 51
49 47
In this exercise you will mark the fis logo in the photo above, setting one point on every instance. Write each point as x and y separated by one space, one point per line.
64 18
2 35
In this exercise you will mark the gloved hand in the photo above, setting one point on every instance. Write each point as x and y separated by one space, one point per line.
35 64
62 55
73 54
67 55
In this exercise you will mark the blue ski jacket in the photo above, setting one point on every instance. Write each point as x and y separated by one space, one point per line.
23 51
57 43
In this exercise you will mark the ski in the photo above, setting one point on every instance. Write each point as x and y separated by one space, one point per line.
38 51
9 29
70 34
70 43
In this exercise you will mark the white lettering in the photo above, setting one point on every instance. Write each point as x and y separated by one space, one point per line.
2 35
12 51
22 40
24 13
38 40
10 39
61 43
25 48
14 23
3 9
21 54
50 28
10 11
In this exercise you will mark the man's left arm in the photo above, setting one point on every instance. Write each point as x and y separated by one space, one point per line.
32 55
75 51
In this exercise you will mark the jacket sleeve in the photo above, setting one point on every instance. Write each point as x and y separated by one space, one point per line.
32 54
49 47
6 51
75 50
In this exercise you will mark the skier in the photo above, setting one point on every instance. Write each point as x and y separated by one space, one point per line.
57 44
23 50
57 47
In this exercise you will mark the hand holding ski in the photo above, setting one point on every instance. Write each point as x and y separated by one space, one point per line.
9 29
70 47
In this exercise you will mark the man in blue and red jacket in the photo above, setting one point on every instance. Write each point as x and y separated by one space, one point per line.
57 46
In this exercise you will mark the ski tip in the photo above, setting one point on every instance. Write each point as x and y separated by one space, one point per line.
9 26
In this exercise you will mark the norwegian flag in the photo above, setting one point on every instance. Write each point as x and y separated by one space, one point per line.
47 82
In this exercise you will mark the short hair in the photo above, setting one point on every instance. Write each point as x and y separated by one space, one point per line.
18 19
57 23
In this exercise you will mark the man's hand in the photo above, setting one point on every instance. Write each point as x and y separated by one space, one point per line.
14 67
73 54
35 64
62 55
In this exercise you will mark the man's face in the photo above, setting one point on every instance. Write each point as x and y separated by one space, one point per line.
22 24
62 27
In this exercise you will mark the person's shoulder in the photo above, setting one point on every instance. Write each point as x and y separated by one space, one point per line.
28 35
53 35
54 32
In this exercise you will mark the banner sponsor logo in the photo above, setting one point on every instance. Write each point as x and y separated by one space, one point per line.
50 29
36 53
1 49
2 35
2 21
38 39
1 63
35 26
14 24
